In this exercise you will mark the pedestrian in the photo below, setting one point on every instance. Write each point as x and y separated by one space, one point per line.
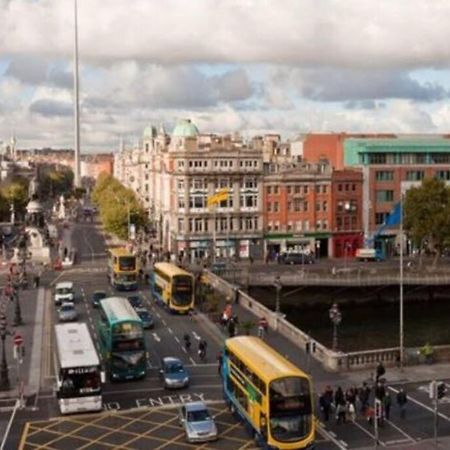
351 411
339 397
325 401
380 391
364 396
380 371
36 280
350 396
387 405
370 414
340 413
219 363
402 399
231 327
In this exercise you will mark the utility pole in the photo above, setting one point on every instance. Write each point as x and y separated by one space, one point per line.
401 284
77 179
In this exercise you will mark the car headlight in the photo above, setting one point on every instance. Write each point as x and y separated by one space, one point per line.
186 379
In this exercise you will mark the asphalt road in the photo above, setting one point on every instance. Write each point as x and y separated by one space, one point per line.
45 424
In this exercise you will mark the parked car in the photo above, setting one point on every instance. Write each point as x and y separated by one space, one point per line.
197 422
296 258
146 317
173 373
135 301
97 296
67 312
64 292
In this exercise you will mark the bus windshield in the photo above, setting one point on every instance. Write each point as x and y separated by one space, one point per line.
127 360
127 336
80 382
290 409
182 290
127 263
121 278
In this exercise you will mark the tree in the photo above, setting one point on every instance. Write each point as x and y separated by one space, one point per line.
16 192
54 182
427 215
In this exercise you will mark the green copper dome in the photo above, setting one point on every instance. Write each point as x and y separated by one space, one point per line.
185 128
150 131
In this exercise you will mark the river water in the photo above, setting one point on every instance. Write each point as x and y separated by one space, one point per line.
365 325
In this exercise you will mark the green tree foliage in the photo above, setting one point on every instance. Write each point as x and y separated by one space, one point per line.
117 204
16 191
427 215
54 182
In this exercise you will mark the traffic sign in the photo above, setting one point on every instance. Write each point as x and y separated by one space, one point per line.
18 340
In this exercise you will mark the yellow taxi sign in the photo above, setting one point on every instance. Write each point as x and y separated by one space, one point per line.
218 197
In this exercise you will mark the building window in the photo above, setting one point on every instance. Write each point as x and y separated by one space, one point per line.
269 206
443 174
289 226
384 175
340 187
385 196
318 225
297 205
305 189
317 206
298 225
325 206
248 200
324 225
306 225
146 147
297 189
269 190
181 225
289 206
339 223
415 175
269 226
317 188
289 189
381 217
324 188
275 190
305 206
377 158
276 206
181 202
197 201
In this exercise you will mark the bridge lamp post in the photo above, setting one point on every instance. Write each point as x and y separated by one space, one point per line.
336 318
278 286
4 378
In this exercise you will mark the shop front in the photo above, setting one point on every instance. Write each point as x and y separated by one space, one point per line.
346 244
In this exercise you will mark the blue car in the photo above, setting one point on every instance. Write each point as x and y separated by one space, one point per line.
97 296
173 373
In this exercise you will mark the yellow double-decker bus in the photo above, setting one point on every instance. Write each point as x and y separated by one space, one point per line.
269 393
123 270
173 286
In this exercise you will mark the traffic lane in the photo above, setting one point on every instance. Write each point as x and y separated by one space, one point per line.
142 429
85 236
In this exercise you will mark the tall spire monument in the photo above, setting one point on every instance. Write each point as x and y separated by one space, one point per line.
77 179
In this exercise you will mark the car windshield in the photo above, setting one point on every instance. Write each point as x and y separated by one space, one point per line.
174 368
144 315
67 308
135 300
63 291
198 416
127 360
99 295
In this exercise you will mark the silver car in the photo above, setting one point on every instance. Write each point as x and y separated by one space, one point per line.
197 422
67 312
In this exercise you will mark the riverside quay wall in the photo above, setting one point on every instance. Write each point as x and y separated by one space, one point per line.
333 361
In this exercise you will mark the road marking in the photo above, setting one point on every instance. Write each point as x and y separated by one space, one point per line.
177 339
196 336
421 404
397 441
383 444
156 337
407 436
170 330
331 437
192 361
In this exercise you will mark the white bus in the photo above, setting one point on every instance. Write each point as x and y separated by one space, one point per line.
77 368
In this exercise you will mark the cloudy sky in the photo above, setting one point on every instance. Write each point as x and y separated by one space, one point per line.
253 66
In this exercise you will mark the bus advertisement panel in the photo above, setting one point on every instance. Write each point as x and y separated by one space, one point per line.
123 269
272 396
77 367
122 339
173 287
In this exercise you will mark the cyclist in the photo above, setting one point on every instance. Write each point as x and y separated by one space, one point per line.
187 341
202 346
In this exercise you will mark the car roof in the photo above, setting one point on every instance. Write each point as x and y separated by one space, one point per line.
171 359
142 309
195 406
100 292
68 304
64 285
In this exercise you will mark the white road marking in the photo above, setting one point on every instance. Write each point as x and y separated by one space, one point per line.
196 336
331 437
412 399
170 330
177 339
383 444
156 337
192 361
407 436
397 441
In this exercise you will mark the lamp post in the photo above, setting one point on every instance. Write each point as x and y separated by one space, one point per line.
336 318
4 379
278 287
401 332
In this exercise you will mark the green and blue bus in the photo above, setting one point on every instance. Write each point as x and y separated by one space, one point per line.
122 340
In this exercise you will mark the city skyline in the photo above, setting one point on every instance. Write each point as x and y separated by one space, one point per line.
252 67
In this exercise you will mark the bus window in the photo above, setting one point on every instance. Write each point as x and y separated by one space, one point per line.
79 381
127 263
290 409
182 290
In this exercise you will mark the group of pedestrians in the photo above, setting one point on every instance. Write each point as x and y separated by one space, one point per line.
346 404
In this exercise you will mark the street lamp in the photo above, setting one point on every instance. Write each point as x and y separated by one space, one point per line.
278 287
336 318
4 379
401 318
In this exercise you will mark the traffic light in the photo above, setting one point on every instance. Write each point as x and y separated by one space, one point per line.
441 390
378 409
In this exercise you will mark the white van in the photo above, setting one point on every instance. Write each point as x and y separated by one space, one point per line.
64 292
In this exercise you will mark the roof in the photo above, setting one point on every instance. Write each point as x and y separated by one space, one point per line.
262 358
64 285
171 269
119 309
75 346
120 251
185 128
